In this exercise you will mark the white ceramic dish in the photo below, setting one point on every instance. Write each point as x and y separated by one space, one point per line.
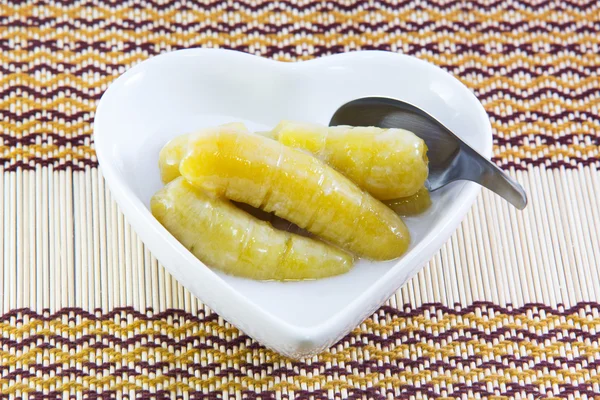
185 90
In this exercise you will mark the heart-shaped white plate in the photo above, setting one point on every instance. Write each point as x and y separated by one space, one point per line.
185 90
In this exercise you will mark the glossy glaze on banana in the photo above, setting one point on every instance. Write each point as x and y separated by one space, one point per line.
171 154
411 205
388 163
223 236
295 186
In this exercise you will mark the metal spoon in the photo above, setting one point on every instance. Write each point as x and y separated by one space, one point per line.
450 159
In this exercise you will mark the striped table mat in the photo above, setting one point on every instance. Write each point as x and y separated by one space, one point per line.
509 308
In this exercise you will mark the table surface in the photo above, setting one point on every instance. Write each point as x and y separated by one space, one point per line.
509 308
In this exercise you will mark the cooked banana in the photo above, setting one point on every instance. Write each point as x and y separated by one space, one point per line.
172 152
388 163
225 237
412 205
295 186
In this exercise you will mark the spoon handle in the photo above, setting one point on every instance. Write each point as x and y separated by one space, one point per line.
472 166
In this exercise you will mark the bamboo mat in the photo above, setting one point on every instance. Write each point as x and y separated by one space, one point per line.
509 308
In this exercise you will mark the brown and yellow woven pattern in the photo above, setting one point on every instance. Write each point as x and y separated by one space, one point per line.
482 351
505 310
534 64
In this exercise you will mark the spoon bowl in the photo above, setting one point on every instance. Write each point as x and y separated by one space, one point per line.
450 158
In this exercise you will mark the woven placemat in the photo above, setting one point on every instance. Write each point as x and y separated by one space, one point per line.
509 308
